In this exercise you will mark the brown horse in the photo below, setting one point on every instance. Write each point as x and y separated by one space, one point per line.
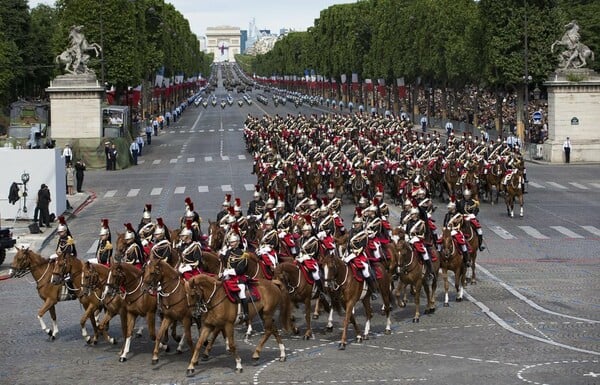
339 278
452 260
358 185
216 235
167 283
337 181
514 192
299 289
219 314
493 181
407 266
126 281
69 265
451 176
27 261
470 234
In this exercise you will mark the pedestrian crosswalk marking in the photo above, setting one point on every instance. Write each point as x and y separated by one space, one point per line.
221 130
249 187
566 232
173 160
533 232
536 185
133 192
211 130
110 193
592 230
578 185
241 157
156 191
208 158
179 190
230 130
596 185
200 131
156 161
191 160
93 247
224 157
560 186
202 188
182 131
502 233
226 187
141 161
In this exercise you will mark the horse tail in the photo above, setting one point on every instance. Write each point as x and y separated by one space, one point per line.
285 307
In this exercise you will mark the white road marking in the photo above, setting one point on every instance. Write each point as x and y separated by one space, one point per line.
202 188
179 190
191 160
560 186
592 229
226 187
502 233
133 192
208 158
596 185
249 187
566 232
224 157
156 191
230 130
241 157
141 161
110 193
211 130
533 232
579 185
156 161
536 185
173 160
92 249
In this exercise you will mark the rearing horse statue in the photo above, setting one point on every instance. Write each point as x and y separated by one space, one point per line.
75 57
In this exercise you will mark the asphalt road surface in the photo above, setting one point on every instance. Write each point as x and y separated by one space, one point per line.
532 318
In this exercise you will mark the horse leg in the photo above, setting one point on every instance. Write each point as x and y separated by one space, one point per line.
103 327
308 334
89 313
446 285
187 335
174 332
204 333
164 326
232 347
348 315
459 277
417 288
130 325
368 314
521 205
316 311
49 306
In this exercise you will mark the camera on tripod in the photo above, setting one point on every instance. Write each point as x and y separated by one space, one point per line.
25 180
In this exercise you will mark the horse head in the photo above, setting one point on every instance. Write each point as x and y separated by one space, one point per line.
62 267
22 262
90 278
153 275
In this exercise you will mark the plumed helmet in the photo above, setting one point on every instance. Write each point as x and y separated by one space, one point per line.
189 213
187 230
452 203
257 191
421 192
331 190
358 241
227 201
147 211
271 200
379 192
414 211
313 201
233 237
384 209
238 205
357 216
188 201
280 204
306 226
407 203
159 229
300 189
327 225
363 200
104 229
130 233
467 193
62 224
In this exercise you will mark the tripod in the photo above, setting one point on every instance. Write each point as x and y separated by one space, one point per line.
23 206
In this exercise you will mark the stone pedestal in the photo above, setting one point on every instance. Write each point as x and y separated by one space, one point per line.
573 111
75 106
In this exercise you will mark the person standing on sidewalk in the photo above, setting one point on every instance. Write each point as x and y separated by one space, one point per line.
43 203
140 142
567 149
70 179
107 154
79 174
149 134
134 149
113 157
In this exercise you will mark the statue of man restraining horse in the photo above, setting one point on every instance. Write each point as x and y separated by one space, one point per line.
75 58
576 53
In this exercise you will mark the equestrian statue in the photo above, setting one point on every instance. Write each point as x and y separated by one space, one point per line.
76 56
576 53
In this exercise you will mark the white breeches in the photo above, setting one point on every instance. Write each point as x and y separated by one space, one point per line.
242 287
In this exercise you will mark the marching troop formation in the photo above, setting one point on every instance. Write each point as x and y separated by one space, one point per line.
306 167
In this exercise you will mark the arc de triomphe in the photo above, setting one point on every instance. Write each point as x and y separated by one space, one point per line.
223 42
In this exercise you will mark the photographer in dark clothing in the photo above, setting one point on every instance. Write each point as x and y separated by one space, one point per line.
43 204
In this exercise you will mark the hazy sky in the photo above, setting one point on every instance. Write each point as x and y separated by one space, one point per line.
269 14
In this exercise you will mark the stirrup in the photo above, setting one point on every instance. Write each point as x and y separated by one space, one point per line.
481 247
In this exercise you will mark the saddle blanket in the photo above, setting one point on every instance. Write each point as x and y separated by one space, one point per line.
232 289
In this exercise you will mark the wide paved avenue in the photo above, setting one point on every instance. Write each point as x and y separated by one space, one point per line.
532 318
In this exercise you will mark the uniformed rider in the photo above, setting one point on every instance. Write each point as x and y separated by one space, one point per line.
236 267
104 251
470 208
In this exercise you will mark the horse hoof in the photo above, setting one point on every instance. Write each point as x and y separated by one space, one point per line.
177 338
95 342
88 340
459 300
315 316
329 329
238 371
387 332
190 372
113 341
49 332
342 346
359 339
154 361
122 359
415 320
296 331
431 311
205 357
446 304
52 338
167 349
138 335
282 359
306 337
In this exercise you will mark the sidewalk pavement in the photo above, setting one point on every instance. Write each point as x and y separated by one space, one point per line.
37 242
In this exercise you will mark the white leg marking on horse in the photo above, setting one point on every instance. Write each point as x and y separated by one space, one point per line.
227 344
238 363
249 330
446 297
388 323
281 351
84 333
139 331
460 292
181 344
54 328
43 324
330 319
367 328
126 347
521 214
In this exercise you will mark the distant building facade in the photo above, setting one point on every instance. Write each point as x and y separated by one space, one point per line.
224 42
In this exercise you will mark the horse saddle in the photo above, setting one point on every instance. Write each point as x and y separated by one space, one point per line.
232 290
66 294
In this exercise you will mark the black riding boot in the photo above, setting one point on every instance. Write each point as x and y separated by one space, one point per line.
372 282
244 316
71 289
466 259
319 286
481 246
429 267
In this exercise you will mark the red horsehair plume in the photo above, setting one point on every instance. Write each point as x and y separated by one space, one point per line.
308 219
272 194
238 202
414 203
188 224
188 200
129 227
325 201
358 211
231 211
105 223
330 184
452 199
227 197
61 220
300 185
375 202
257 187
272 214
148 207
159 222
235 227
191 206
281 197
